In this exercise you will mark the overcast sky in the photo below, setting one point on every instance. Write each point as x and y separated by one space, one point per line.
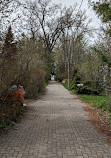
85 6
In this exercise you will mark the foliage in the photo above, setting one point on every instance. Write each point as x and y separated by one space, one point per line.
90 66
106 59
75 81
86 90
9 115
9 48
33 82
23 63
103 56
8 62
35 69
89 86
103 9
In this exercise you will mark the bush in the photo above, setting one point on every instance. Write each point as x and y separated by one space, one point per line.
95 85
9 114
33 83
86 90
76 80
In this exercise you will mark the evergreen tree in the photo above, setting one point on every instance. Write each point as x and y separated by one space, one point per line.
103 9
9 48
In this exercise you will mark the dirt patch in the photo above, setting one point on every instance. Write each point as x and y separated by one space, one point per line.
99 119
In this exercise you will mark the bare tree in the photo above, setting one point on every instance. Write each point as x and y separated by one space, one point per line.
50 21
73 42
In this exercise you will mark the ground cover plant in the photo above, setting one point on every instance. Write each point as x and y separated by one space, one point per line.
99 102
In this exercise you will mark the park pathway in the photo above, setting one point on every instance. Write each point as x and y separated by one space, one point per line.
55 127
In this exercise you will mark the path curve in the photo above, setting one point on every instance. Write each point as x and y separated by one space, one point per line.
55 127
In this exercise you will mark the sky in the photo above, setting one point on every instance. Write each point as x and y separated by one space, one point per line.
89 12
85 6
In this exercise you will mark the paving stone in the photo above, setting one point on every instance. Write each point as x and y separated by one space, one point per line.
55 127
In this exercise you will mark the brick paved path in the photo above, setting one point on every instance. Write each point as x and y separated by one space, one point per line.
55 127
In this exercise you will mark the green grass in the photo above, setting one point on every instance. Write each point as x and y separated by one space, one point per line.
103 102
92 99
73 91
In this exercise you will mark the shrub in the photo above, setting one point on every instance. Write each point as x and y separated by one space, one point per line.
9 114
33 83
86 90
75 81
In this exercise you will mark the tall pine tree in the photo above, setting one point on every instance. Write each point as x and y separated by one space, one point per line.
9 49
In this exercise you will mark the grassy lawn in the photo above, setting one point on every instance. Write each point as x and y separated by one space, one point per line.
92 99
103 102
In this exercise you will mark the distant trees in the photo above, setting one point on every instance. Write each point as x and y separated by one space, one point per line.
70 53
71 46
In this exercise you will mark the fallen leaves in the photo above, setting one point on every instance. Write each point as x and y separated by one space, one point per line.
99 120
